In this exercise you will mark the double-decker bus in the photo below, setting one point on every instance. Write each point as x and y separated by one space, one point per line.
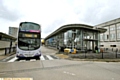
29 40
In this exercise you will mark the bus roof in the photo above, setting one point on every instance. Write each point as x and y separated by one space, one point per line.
29 22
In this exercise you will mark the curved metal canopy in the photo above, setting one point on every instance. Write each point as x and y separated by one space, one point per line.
75 26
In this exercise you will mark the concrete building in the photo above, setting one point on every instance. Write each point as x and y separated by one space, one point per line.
79 36
13 31
111 38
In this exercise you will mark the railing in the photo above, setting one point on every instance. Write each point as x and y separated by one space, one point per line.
9 50
103 54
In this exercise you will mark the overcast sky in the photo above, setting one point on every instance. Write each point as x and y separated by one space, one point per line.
52 14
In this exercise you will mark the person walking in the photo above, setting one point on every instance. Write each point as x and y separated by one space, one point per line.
96 49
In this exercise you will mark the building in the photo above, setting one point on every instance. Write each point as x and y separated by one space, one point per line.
79 36
5 40
111 38
13 31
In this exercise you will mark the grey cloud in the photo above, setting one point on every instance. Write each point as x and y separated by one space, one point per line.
52 27
100 11
7 14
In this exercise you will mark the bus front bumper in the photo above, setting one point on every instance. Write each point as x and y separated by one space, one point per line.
24 56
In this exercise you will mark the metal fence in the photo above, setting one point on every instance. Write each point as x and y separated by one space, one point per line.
105 54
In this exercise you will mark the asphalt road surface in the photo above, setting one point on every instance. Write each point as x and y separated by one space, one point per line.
54 68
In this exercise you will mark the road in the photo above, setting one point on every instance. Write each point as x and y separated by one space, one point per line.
59 69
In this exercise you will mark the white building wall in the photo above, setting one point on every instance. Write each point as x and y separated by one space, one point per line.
4 44
113 32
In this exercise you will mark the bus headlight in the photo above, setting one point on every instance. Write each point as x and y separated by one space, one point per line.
37 53
19 54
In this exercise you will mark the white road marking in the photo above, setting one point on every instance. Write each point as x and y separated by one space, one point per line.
42 58
69 73
22 60
72 74
50 58
64 72
6 59
13 59
33 60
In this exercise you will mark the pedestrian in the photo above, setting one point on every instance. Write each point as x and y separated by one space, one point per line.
96 49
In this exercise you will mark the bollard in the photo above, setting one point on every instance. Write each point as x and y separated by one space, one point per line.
112 49
14 49
102 54
9 50
116 54
85 54
5 51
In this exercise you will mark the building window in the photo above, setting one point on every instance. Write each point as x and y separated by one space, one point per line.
5 39
112 45
101 45
101 37
112 28
118 35
112 36
107 27
118 27
107 36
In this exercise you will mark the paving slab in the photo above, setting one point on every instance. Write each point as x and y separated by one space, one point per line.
3 56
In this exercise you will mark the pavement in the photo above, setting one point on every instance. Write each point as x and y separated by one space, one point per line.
3 56
107 57
63 56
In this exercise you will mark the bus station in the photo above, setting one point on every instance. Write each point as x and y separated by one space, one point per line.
5 40
7 43
75 36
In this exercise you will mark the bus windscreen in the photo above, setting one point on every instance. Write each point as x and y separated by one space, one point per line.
28 44
29 26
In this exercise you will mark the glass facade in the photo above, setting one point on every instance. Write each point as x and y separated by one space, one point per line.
75 38
118 26
101 37
112 36
112 27
118 35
